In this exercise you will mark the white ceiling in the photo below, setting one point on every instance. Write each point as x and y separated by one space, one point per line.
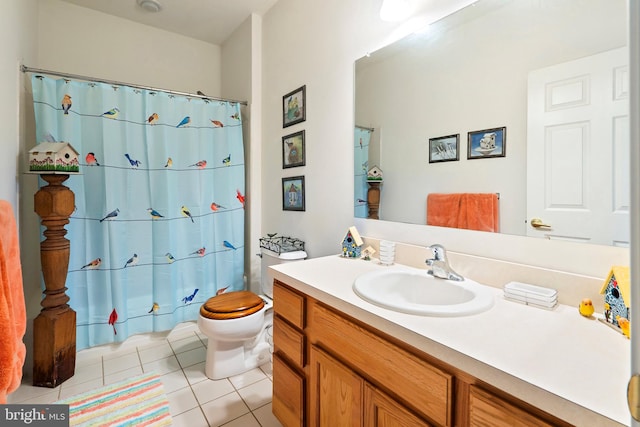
211 21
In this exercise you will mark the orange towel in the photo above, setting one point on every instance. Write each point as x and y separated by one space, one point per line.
442 209
13 315
479 212
473 211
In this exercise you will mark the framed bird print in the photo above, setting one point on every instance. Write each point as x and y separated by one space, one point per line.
293 150
294 107
293 193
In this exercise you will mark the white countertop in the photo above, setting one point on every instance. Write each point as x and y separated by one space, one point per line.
570 366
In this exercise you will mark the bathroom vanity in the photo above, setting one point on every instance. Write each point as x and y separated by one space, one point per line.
341 361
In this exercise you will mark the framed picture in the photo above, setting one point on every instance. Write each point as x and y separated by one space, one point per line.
294 107
293 150
293 193
444 148
487 143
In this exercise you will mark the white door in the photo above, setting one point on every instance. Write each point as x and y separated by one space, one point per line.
577 150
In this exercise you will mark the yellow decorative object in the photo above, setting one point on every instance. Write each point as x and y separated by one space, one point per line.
625 326
586 307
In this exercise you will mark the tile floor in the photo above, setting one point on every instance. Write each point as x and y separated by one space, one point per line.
178 357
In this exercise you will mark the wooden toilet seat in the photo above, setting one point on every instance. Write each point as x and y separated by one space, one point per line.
232 305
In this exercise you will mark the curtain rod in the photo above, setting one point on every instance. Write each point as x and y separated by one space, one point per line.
365 128
26 69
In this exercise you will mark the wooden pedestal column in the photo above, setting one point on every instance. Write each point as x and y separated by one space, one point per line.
373 199
54 335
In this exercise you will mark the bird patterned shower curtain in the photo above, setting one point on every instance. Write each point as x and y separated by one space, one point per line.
158 225
362 138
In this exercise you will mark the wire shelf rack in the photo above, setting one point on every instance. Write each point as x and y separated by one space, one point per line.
281 244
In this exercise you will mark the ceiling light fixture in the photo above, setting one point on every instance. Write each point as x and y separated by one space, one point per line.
395 10
150 5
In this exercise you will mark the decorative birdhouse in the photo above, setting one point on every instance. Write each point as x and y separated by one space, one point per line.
54 158
617 295
352 244
374 174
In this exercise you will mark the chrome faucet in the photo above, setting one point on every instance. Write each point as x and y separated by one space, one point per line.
440 264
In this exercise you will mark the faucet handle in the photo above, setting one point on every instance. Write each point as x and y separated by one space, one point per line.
439 252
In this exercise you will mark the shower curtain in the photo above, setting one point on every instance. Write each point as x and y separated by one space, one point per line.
158 225
362 137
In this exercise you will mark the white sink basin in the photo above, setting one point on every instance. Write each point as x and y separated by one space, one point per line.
415 292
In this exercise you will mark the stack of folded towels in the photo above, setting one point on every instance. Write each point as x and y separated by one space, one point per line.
536 296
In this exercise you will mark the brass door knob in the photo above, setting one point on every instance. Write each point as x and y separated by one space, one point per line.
538 223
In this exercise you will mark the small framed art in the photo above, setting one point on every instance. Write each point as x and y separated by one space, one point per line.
294 107
293 150
293 193
444 148
487 143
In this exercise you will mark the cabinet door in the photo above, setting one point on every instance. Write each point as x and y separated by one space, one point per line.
382 411
488 410
288 394
336 392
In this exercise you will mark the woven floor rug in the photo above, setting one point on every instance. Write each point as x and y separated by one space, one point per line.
137 401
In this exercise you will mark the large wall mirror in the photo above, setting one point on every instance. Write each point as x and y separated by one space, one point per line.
549 78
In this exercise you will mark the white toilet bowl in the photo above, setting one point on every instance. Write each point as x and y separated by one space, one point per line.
235 325
238 324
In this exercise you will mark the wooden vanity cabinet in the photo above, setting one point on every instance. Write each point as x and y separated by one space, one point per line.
488 410
331 370
289 378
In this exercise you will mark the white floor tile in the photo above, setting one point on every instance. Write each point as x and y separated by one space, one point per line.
182 330
89 356
121 363
183 377
162 366
247 378
191 357
28 392
247 420
257 394
195 373
185 344
155 352
84 373
181 401
209 390
114 351
174 381
72 390
226 408
123 375
50 397
265 416
192 418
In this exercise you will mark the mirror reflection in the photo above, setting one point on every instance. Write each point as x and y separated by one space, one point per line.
524 100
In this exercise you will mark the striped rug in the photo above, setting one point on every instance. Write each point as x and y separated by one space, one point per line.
137 401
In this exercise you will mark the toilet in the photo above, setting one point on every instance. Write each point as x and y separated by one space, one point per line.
238 324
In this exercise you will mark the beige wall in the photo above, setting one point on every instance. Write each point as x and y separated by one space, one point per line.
18 32
78 40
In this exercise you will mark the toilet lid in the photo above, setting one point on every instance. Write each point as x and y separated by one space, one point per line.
231 305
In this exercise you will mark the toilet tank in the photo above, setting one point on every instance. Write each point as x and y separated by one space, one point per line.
273 258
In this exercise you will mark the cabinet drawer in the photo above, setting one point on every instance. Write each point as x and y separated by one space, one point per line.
288 304
488 410
381 411
288 394
288 340
422 386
